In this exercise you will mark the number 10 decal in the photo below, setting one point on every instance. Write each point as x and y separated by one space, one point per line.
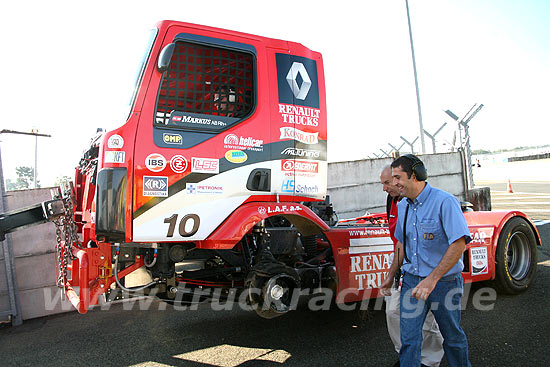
183 224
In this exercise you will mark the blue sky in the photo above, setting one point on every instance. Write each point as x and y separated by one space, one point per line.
68 68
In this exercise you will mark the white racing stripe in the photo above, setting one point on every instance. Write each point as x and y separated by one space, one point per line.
374 244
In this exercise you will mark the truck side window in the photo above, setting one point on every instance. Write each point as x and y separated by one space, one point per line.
206 88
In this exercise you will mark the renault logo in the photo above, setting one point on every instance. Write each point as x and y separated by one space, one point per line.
298 69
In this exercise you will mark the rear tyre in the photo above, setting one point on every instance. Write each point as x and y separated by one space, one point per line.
516 257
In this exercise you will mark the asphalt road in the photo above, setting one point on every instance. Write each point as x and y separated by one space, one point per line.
514 332
532 198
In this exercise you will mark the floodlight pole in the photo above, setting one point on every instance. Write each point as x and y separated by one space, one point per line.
422 143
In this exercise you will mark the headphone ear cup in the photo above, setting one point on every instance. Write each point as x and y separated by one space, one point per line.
420 172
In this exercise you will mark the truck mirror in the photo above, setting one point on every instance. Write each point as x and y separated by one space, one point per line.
165 57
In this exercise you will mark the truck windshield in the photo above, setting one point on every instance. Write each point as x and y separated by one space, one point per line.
139 72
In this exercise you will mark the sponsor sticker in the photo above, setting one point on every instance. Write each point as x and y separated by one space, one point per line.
299 135
299 166
155 186
306 189
479 260
155 162
232 141
287 185
112 156
197 188
174 139
205 165
236 156
278 209
302 153
297 80
115 142
178 163
299 115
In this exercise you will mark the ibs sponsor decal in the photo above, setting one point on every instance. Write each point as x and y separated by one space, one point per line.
236 156
232 141
178 163
194 188
114 157
302 153
115 142
155 186
301 136
297 80
479 260
174 139
155 162
299 166
205 165
299 115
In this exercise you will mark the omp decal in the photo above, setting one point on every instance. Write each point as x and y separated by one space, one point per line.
178 163
155 186
155 162
188 225
236 156
479 260
174 139
114 156
115 142
205 165
288 132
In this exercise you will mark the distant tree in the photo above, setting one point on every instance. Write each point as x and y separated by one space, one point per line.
25 179
62 180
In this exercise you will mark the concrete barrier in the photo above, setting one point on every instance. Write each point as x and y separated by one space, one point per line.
35 263
354 186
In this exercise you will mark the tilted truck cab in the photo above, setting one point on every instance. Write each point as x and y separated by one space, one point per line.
217 182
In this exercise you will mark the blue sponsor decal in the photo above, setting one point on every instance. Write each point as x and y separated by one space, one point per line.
288 185
297 80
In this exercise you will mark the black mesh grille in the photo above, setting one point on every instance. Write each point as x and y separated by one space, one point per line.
206 80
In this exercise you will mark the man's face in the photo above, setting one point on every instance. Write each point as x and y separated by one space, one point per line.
388 186
403 183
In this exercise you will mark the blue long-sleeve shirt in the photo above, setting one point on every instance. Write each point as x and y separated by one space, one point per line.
434 222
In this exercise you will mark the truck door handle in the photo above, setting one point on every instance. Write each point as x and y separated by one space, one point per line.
259 180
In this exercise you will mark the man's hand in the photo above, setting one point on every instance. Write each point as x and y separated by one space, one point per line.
385 287
424 289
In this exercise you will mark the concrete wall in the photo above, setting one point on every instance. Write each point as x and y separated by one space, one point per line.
35 264
354 186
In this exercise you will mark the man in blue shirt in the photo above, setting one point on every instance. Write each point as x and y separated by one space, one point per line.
432 235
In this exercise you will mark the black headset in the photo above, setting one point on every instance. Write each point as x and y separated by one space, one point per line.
418 167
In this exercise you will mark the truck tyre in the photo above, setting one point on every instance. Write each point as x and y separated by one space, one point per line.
516 257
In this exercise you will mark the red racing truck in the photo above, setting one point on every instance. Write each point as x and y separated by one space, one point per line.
217 182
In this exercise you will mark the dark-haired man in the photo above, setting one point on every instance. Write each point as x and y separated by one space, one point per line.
432 235
432 349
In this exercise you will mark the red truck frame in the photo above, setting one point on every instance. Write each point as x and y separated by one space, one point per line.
218 180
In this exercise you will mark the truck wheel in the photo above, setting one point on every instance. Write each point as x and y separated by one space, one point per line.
516 257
